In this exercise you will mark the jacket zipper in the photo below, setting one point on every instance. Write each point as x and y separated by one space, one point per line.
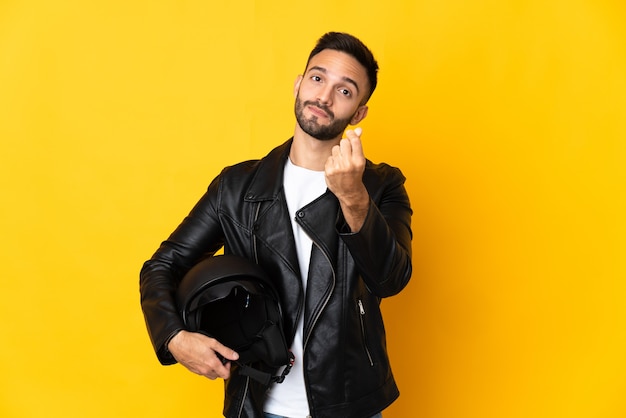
306 339
256 217
243 397
362 319
256 259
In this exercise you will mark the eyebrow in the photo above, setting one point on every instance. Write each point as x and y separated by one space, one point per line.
346 79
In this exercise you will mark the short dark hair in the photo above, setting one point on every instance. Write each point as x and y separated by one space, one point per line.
351 45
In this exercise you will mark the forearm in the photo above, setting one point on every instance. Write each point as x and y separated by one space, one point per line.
355 208
157 290
381 248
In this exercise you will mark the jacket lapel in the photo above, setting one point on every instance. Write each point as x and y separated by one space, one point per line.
271 223
319 219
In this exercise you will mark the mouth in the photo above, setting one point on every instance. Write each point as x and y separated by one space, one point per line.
318 111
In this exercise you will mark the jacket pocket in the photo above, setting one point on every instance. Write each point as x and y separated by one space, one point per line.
362 314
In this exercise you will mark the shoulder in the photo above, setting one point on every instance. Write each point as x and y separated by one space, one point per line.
382 174
275 158
258 177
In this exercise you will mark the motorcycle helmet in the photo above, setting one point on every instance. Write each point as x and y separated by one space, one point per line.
231 299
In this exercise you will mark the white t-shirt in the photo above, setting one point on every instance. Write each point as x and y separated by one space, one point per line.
301 186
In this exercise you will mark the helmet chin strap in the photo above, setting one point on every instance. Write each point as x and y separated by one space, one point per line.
263 377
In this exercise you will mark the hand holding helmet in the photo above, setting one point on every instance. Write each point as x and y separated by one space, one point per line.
202 354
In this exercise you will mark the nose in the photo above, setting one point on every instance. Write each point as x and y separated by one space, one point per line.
324 95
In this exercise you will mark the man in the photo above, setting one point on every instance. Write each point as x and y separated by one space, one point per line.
331 229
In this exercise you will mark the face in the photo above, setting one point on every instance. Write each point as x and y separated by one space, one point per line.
330 95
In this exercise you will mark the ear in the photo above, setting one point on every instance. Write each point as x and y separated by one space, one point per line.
359 115
296 85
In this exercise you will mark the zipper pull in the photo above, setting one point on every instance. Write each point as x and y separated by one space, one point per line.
361 309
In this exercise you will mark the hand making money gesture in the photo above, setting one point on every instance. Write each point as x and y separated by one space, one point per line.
344 178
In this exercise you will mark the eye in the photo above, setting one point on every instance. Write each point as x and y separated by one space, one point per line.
345 92
316 78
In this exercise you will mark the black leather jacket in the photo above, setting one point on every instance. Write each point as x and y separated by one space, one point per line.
346 366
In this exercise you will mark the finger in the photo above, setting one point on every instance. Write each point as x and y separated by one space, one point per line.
329 166
351 146
221 370
357 147
225 352
354 133
346 147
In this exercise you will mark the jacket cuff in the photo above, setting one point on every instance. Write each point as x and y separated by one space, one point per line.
163 353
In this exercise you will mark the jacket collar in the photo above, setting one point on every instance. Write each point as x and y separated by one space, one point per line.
268 179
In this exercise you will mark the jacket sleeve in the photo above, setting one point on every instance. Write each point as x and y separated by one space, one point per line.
198 236
381 249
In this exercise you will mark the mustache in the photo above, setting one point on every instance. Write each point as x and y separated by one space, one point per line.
321 107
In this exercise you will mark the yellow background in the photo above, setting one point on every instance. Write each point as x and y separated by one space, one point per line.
508 118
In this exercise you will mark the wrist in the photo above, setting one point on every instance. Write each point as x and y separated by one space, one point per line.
176 335
356 201
355 212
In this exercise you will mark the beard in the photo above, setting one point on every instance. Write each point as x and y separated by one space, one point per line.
311 126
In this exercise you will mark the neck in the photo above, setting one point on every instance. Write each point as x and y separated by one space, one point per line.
309 152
